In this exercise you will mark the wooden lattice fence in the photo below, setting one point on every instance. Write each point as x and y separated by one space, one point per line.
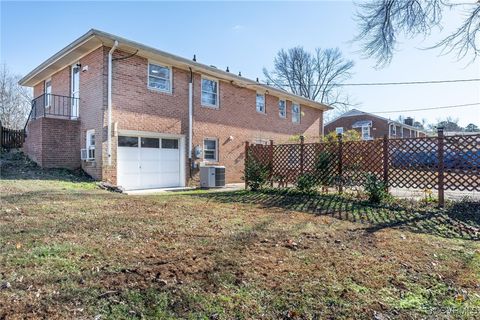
442 163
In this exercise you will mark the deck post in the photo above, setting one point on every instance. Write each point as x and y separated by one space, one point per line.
246 162
440 151
340 163
385 160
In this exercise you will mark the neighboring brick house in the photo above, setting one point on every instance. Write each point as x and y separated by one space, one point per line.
133 108
371 126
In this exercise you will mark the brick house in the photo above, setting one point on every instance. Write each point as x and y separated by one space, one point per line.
371 126
144 118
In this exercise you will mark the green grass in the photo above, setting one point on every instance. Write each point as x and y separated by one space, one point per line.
71 250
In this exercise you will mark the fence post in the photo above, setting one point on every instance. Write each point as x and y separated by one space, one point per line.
340 163
301 153
270 162
441 186
385 161
245 165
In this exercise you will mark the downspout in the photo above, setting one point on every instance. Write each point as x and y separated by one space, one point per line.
109 106
190 119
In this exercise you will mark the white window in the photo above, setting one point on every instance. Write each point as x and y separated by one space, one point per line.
366 133
209 93
295 113
210 150
48 92
159 77
393 131
90 144
339 130
282 108
261 141
260 102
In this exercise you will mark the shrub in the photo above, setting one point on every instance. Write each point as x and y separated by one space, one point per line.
375 189
322 167
255 174
307 182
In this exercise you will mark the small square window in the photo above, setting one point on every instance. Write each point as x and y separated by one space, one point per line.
339 130
260 102
169 143
210 152
127 141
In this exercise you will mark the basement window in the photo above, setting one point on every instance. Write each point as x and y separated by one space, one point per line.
210 151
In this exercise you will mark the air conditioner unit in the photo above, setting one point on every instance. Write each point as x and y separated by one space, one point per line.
212 177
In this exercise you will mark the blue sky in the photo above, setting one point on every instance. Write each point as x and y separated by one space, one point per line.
246 36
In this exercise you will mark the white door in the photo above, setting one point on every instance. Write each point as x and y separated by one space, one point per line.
145 162
75 87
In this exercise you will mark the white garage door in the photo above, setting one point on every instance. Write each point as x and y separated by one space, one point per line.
145 162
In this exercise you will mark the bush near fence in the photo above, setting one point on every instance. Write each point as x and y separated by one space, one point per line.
442 162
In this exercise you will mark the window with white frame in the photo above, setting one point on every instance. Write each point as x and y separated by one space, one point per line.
90 144
48 92
393 130
295 113
210 149
159 77
339 130
282 108
366 133
260 102
209 92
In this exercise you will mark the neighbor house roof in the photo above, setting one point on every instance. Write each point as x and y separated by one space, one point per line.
94 39
355 112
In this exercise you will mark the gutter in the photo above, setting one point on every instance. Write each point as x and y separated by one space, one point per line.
190 118
109 106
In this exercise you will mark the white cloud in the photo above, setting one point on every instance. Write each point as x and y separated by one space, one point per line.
238 27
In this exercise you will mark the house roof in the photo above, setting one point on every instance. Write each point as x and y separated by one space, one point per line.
94 39
355 112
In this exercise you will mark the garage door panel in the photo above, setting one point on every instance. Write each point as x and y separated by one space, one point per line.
148 165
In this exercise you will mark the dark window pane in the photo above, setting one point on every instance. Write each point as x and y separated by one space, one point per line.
210 144
209 155
169 143
127 141
150 143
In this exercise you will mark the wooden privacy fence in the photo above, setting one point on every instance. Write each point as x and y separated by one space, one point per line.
11 138
441 163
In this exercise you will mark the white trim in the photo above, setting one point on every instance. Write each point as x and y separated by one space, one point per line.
264 102
72 92
284 106
217 100
88 144
216 149
170 70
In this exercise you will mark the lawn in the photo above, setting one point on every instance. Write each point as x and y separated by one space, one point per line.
71 250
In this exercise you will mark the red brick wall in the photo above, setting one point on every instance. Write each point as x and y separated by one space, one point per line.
53 143
136 107
379 127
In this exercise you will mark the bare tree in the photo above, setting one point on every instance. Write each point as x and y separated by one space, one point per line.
317 76
382 21
14 100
